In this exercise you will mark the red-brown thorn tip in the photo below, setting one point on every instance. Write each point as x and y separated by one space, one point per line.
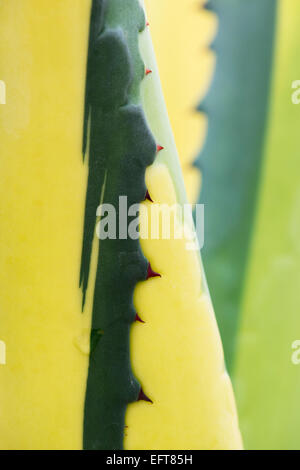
151 273
147 71
137 318
148 197
143 397
147 24
159 148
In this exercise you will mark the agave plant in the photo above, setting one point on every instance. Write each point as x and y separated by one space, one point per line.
111 344
250 188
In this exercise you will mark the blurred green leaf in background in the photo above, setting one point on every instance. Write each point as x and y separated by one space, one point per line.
231 161
251 188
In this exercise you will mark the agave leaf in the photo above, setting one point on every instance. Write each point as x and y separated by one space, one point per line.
141 366
267 380
185 76
231 161
250 167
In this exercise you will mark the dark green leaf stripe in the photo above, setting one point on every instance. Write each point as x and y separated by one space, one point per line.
231 161
120 148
